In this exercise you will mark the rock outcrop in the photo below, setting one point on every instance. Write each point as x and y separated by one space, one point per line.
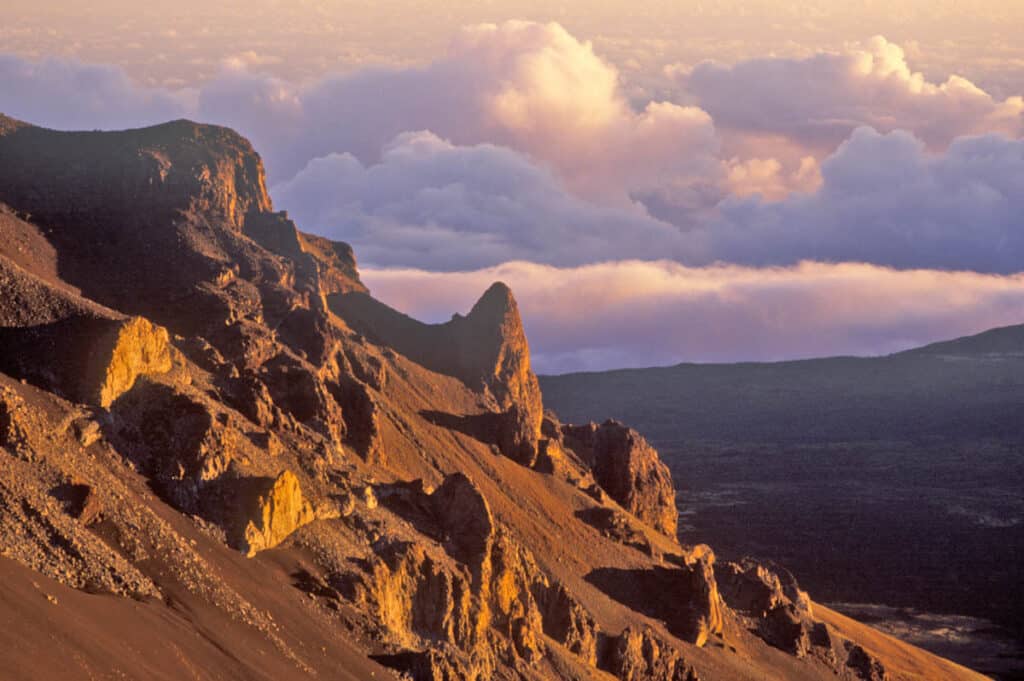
89 359
642 655
755 588
178 440
275 514
490 346
776 609
629 470
464 521
155 222
131 349
701 607
486 597
485 349
568 622
169 169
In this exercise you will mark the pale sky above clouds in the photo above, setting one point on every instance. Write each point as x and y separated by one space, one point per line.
185 41
731 180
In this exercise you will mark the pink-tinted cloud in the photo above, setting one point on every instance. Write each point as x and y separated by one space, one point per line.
430 203
885 199
634 313
818 101
545 160
531 87
63 93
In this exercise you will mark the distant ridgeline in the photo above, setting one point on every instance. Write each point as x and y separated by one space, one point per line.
970 388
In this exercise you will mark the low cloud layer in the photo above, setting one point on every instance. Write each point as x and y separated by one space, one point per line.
528 86
633 313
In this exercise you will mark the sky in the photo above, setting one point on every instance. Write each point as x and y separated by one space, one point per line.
659 182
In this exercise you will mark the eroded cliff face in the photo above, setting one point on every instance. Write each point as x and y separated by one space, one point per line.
86 358
202 408
486 349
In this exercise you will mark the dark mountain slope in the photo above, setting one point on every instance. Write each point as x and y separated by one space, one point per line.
891 481
965 389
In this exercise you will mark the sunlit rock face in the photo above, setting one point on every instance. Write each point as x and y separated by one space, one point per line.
87 358
278 512
491 345
641 655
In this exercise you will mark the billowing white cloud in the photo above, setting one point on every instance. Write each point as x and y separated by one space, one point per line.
885 199
766 177
428 203
633 313
531 87
818 101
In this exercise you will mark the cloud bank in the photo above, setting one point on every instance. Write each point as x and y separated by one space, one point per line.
818 101
634 313
884 199
429 203
531 87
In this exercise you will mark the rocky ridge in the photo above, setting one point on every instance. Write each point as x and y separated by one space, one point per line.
202 409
